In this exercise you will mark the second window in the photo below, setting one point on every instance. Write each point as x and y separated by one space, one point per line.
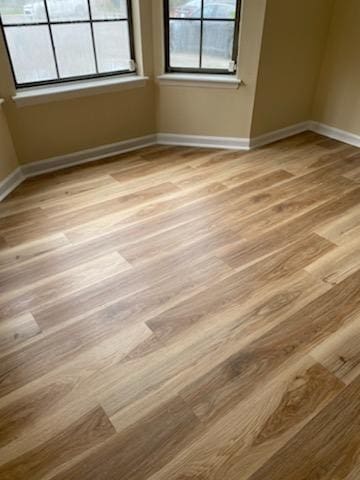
201 35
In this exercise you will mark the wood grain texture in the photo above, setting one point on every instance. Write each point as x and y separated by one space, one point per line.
328 447
90 430
16 330
257 427
183 313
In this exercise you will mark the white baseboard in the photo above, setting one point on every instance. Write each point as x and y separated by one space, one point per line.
335 133
276 135
85 156
233 143
11 182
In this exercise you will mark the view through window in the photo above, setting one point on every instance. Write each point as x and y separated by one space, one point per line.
51 41
201 35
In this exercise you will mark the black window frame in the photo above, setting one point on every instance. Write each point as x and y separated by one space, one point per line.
167 20
91 21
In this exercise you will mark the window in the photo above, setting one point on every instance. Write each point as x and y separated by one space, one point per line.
201 35
52 41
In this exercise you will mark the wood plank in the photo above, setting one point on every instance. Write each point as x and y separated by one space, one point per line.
236 445
354 175
112 192
38 295
193 353
57 262
15 417
89 431
342 229
23 217
338 264
84 214
214 206
316 158
72 256
229 382
286 191
15 255
16 204
340 353
14 331
3 245
108 223
137 453
143 300
214 198
239 286
239 255
200 235
263 182
338 453
29 418
49 352
78 174
291 208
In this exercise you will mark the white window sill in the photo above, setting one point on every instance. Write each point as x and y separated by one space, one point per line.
64 91
199 80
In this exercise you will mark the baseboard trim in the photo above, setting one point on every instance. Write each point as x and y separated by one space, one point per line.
335 133
233 143
85 156
276 135
11 182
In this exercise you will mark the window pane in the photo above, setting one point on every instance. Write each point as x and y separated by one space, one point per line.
22 11
217 44
112 46
74 49
107 9
67 10
31 53
185 8
220 9
185 43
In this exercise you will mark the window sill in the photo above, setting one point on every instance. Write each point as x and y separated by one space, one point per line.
66 91
200 80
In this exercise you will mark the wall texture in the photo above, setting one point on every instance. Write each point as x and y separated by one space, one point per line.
337 101
293 44
8 160
212 111
58 128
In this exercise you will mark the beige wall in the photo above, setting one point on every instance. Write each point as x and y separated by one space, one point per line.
294 39
337 101
212 111
283 44
58 128
8 160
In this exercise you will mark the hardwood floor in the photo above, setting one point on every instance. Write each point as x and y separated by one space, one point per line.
181 313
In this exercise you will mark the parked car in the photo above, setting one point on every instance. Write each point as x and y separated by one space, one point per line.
184 36
216 9
186 11
58 10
